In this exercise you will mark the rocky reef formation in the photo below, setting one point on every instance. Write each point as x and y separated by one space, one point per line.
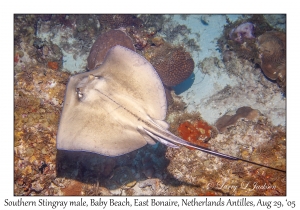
243 113
38 94
255 139
115 21
173 64
102 45
255 40
243 31
272 49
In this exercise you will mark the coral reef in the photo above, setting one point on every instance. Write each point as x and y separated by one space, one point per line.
277 21
267 50
39 93
272 48
24 28
173 64
152 20
72 188
210 65
175 31
141 36
177 105
244 113
103 43
40 41
245 30
169 97
228 55
250 87
83 27
251 140
119 20
29 47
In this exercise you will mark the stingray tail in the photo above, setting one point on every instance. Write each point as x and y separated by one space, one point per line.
170 140
166 137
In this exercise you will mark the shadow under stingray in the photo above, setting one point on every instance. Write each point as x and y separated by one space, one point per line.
114 172
111 172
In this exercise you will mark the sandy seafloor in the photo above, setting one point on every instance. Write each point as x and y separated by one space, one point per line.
212 91
206 86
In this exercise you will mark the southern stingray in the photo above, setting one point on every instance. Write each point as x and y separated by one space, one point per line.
117 108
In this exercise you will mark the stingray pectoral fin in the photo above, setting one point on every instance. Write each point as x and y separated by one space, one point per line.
131 75
104 129
162 124
145 135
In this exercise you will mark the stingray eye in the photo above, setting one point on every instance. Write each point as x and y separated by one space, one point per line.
96 77
79 93
92 77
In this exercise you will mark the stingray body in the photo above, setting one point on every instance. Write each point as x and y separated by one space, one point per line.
117 108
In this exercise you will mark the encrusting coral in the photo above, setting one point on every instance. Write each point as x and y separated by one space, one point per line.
272 48
242 113
52 65
198 132
103 43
